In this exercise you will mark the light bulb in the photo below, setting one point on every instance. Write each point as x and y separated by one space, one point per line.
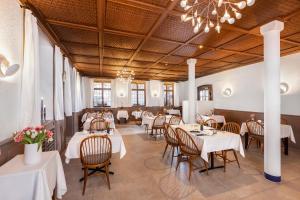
199 20
218 28
241 5
211 24
238 15
214 12
231 20
187 19
226 15
195 13
183 3
183 17
206 29
220 3
196 29
222 19
193 22
250 2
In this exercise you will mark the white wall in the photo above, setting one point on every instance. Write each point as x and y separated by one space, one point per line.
11 31
46 73
247 86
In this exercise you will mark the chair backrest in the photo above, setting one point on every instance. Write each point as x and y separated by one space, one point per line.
85 116
255 127
231 127
98 124
170 135
175 120
186 142
95 150
211 123
108 115
199 119
159 120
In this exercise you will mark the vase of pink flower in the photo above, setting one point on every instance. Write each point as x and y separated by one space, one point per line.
33 138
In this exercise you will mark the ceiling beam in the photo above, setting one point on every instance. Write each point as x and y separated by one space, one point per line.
72 25
160 20
101 14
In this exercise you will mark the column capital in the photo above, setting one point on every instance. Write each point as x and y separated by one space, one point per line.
191 61
272 26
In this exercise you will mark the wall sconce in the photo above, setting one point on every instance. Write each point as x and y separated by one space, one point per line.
5 68
284 88
121 94
155 95
227 92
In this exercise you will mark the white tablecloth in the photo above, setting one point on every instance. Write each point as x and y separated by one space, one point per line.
220 141
137 114
173 112
73 148
218 118
147 120
122 114
33 182
87 123
285 130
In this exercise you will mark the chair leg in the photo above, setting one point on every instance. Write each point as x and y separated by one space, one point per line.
178 161
249 143
85 179
172 155
190 168
107 175
236 158
224 155
206 166
165 150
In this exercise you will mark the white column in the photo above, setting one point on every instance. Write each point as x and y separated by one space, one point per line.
192 104
272 152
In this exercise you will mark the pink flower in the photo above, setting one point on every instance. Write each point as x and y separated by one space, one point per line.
19 136
38 128
27 129
49 134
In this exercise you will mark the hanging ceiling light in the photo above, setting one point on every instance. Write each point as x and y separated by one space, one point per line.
211 13
125 75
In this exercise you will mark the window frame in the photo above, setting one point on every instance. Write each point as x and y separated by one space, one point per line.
102 89
137 93
166 91
207 87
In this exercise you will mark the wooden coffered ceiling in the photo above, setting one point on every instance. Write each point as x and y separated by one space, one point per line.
102 36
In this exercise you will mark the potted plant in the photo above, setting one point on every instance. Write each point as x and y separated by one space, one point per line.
33 138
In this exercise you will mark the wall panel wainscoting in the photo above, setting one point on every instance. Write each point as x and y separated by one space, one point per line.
243 116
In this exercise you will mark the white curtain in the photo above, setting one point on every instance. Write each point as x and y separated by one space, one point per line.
83 93
67 89
87 91
30 104
58 90
76 91
113 94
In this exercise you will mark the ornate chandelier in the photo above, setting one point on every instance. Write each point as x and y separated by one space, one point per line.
211 13
125 75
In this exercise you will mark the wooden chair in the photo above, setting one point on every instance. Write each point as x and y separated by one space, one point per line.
158 125
98 124
199 119
233 128
171 139
256 133
95 153
211 123
108 115
175 120
188 149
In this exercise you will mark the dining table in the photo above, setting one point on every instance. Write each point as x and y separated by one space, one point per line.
286 132
210 141
218 118
137 114
43 180
87 123
73 148
173 112
149 120
122 114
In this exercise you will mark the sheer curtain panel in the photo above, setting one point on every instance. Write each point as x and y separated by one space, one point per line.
58 91
30 94
67 88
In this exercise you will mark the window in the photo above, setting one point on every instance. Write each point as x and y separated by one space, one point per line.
205 93
138 94
169 94
102 94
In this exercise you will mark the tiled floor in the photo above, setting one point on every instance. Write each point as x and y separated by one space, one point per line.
143 174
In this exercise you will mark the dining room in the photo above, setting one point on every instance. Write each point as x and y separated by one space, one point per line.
149 99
